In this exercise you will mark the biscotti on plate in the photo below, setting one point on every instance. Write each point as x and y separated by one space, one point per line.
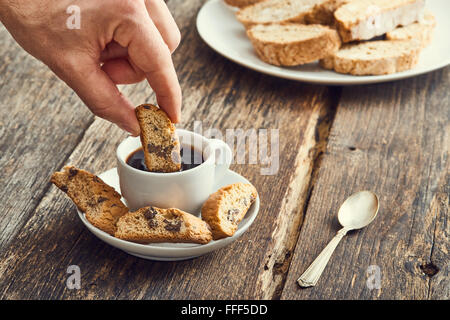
241 3
151 225
225 208
366 19
293 44
421 31
276 11
323 12
100 202
374 57
159 139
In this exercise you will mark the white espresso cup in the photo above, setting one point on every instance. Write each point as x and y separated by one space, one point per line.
186 190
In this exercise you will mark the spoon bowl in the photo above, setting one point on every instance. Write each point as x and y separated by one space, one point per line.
358 210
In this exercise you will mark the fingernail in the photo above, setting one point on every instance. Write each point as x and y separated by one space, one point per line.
177 118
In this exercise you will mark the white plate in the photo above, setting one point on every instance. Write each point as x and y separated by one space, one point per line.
172 251
219 28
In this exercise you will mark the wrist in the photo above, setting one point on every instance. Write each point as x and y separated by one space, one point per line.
10 11
16 11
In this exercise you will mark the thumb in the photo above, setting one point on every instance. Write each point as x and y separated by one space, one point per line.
100 94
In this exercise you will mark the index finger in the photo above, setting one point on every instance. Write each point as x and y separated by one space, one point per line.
148 51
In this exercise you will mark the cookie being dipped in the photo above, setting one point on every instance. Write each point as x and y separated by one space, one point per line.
159 139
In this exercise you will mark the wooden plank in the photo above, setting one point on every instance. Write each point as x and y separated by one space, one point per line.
221 95
41 121
393 139
439 283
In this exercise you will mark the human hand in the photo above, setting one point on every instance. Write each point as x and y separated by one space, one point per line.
118 42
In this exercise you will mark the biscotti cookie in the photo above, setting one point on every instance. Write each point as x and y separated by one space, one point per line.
421 31
293 44
374 57
159 139
323 12
241 3
100 202
276 11
366 19
225 208
151 224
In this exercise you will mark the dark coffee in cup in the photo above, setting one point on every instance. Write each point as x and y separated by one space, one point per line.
190 158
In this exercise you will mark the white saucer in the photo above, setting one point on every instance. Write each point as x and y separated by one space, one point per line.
172 251
219 28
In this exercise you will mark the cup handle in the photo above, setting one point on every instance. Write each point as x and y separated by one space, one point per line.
222 157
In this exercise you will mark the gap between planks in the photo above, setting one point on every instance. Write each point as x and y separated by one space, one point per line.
295 201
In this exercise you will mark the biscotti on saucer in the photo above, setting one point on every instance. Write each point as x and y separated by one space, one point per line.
151 225
100 202
225 208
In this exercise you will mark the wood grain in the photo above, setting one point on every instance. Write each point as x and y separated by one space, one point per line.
393 139
221 95
390 138
41 122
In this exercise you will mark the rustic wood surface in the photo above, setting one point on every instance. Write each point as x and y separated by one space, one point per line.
390 138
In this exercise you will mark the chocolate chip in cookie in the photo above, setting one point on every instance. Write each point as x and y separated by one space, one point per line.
232 214
173 226
72 172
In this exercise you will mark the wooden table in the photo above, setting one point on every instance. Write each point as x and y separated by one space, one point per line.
391 138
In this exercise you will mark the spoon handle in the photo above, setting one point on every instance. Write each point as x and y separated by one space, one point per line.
310 277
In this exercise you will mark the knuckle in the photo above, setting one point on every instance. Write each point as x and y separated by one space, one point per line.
175 40
161 59
62 65
128 8
100 109
100 112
